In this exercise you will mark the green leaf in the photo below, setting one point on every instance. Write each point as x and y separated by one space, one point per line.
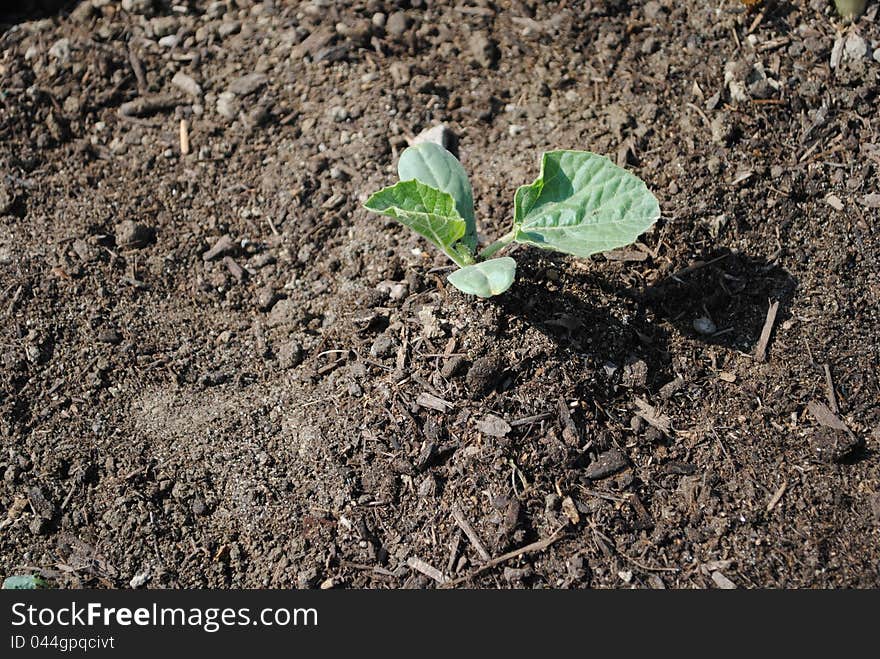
485 279
582 204
437 168
24 582
427 211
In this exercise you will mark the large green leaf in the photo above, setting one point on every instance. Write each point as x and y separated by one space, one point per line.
429 212
437 168
582 204
485 279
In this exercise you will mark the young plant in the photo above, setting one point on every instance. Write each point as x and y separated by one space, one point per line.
581 204
24 582
851 9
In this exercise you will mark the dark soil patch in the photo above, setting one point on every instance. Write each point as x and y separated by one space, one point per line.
218 370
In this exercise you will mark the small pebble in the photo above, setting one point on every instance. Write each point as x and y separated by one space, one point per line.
247 84
131 234
382 346
186 83
139 579
452 367
704 326
169 41
397 24
290 354
266 298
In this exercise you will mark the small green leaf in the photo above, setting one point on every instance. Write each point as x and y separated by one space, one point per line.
582 204
485 279
429 212
437 168
24 582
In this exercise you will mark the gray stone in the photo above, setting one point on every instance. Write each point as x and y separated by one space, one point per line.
704 326
397 24
483 50
247 84
131 234
382 346
290 354
187 84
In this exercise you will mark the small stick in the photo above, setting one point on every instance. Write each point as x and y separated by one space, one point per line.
146 105
777 496
540 545
832 395
471 534
453 552
697 265
184 137
427 569
649 413
761 349
826 417
138 69
530 419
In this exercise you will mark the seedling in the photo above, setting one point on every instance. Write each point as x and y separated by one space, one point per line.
581 204
850 9
24 582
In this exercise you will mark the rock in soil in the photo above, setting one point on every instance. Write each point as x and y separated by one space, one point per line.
133 235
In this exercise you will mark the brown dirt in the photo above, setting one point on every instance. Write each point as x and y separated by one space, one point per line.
255 419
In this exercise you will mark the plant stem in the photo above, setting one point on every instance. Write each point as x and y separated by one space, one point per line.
497 246
456 258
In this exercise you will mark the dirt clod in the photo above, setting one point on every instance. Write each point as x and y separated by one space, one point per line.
133 235
606 464
484 374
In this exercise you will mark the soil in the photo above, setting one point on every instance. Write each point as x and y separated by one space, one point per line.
218 370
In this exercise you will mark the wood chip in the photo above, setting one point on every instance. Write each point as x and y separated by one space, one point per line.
433 402
493 425
471 534
871 200
829 390
723 582
540 545
668 390
777 496
234 269
569 430
526 420
660 421
834 201
312 43
570 510
826 417
727 377
764 340
427 569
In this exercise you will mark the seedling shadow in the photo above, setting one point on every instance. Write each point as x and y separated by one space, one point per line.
624 331
722 300
587 316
